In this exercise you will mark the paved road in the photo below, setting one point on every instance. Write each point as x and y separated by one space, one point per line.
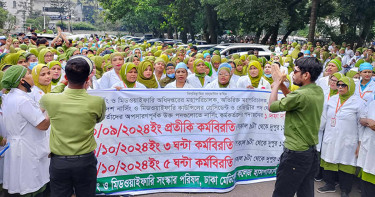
264 189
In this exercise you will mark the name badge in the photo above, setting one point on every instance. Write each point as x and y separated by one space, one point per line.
333 122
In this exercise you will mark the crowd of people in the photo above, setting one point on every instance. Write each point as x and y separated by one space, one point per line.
31 72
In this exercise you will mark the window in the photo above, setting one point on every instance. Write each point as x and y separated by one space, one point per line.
14 4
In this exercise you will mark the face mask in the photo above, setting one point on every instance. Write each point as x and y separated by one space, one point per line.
358 56
171 75
286 64
321 57
32 65
55 57
314 55
268 75
355 80
306 55
27 86
342 54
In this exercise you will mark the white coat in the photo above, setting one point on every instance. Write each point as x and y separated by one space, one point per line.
36 94
122 85
341 138
215 84
245 81
366 156
173 85
323 83
194 81
26 161
368 93
108 79
235 78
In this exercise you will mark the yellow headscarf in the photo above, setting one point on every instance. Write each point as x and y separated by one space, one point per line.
255 80
35 73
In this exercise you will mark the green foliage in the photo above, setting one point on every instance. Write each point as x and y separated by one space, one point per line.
3 17
83 26
62 25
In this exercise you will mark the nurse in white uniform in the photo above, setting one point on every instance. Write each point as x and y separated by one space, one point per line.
181 74
223 79
110 78
128 74
26 161
254 79
341 121
199 79
365 88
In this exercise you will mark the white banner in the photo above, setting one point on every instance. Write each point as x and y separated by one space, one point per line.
186 140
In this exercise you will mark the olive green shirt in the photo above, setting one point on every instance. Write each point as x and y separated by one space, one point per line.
304 109
73 115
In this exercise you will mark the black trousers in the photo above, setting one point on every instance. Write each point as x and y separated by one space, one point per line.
73 175
345 180
296 173
367 189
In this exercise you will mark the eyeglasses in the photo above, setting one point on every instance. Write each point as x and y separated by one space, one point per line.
341 85
48 56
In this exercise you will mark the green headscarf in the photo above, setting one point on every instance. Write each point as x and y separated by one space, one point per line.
235 56
351 73
338 76
238 62
255 80
215 59
359 62
36 73
224 85
50 65
123 71
165 81
148 82
69 52
210 67
41 55
98 61
200 76
295 52
351 89
12 76
337 63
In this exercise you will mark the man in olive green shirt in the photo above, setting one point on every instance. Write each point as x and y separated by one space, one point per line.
73 115
304 107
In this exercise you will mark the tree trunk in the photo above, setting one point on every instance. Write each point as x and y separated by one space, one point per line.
170 33
257 35
192 34
275 32
313 17
365 31
265 38
211 18
286 36
184 36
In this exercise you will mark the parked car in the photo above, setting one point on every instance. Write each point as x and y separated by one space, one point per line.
229 49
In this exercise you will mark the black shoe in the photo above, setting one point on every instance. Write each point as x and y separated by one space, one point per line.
327 189
344 194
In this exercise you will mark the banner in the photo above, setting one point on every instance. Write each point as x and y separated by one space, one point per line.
186 140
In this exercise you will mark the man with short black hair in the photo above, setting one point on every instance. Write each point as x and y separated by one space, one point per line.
74 114
304 107
194 49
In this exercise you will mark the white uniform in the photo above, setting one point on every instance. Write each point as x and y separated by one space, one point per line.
36 94
245 81
235 78
215 84
194 81
123 85
26 161
173 85
162 77
323 83
108 79
368 93
366 156
342 130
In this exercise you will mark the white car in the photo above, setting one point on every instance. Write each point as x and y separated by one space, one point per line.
229 49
